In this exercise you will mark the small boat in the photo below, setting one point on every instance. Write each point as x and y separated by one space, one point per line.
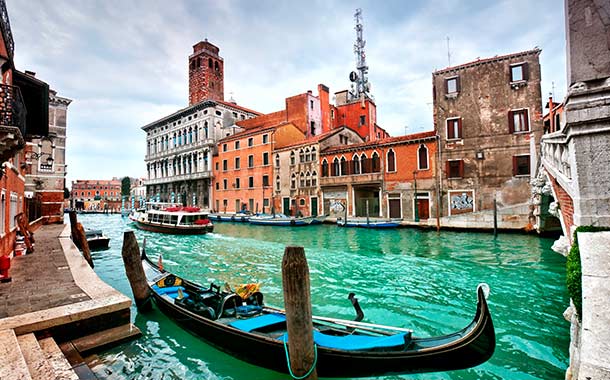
240 217
283 220
170 218
368 223
255 333
96 240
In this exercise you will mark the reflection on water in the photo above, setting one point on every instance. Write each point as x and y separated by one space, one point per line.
410 278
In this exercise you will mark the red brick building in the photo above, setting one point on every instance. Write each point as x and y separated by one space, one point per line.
394 177
206 73
96 195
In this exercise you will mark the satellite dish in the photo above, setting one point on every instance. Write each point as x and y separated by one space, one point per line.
353 76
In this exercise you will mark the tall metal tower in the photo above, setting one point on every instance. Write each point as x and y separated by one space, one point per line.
360 84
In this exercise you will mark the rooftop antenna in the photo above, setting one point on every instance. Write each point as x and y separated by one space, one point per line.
360 84
553 89
448 53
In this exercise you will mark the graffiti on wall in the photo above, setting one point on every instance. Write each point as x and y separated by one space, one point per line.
461 202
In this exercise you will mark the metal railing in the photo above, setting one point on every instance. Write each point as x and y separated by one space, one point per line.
177 178
12 108
6 29
180 150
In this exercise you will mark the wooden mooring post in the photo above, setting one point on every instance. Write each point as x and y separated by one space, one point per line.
297 301
79 238
135 271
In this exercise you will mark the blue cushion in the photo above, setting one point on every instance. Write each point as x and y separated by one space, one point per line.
357 342
258 322
170 291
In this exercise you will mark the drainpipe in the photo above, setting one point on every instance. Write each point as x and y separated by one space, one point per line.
439 182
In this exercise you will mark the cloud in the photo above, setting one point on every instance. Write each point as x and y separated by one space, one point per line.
125 63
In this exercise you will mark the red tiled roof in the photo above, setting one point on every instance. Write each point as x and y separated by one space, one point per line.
252 131
386 141
487 60
313 139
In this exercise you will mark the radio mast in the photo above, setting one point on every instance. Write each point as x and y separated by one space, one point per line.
360 84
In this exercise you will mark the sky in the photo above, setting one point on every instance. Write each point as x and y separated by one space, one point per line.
124 63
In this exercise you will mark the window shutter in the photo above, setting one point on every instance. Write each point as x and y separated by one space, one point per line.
449 129
461 168
526 71
526 119
458 85
459 121
515 166
446 81
511 122
447 169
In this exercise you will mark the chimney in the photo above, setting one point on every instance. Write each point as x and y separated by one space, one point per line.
324 107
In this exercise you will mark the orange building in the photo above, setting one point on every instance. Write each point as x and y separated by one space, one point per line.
392 177
359 115
243 167
96 195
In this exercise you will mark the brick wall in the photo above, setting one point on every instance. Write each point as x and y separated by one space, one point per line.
566 206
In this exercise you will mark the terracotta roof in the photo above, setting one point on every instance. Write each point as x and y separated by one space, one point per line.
386 141
488 60
314 139
238 107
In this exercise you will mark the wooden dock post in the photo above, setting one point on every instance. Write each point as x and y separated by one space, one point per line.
79 238
495 216
297 301
135 271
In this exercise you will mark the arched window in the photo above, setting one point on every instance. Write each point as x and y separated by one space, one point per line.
195 132
307 179
422 157
314 179
190 135
148 147
293 181
335 170
307 156
301 156
324 168
302 179
356 164
216 67
277 160
210 64
344 170
205 129
155 146
292 158
365 164
391 161
313 154
375 163
277 183
179 138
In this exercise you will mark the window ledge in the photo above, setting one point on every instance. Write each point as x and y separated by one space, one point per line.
521 132
452 95
518 84
522 175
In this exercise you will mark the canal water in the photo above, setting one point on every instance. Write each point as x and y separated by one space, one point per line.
408 278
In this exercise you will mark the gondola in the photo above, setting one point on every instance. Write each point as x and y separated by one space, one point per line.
252 332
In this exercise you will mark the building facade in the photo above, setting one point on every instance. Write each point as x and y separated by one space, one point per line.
488 116
179 147
46 164
389 178
96 195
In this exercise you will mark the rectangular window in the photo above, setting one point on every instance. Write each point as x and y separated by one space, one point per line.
217 166
311 104
237 183
224 147
265 158
518 121
362 119
452 85
519 72
237 162
225 165
250 141
265 139
454 128
13 210
224 184
265 180
455 169
250 161
250 182
521 165
3 216
332 114
236 145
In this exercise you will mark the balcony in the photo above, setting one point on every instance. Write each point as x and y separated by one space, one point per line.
12 121
179 178
182 149
353 179
6 29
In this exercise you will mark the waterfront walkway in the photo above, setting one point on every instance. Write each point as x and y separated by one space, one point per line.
56 303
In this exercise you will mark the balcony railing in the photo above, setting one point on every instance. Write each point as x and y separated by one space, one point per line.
186 148
178 178
12 108
351 179
556 155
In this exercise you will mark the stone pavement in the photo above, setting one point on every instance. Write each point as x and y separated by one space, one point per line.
41 280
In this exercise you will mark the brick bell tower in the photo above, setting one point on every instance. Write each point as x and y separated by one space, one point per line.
206 73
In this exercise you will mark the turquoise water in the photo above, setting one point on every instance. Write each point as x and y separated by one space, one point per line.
409 278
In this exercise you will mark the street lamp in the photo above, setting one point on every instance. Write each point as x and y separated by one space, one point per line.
37 156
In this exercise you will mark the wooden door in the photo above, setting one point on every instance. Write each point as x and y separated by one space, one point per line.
423 208
286 206
314 207
395 211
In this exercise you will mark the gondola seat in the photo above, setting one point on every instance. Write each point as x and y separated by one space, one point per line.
359 342
170 291
260 322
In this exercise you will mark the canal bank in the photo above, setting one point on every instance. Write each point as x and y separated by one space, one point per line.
407 277
55 302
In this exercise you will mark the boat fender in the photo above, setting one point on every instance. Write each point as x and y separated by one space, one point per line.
292 222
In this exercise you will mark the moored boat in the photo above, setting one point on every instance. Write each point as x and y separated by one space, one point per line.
249 330
96 240
283 220
240 217
369 223
172 219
